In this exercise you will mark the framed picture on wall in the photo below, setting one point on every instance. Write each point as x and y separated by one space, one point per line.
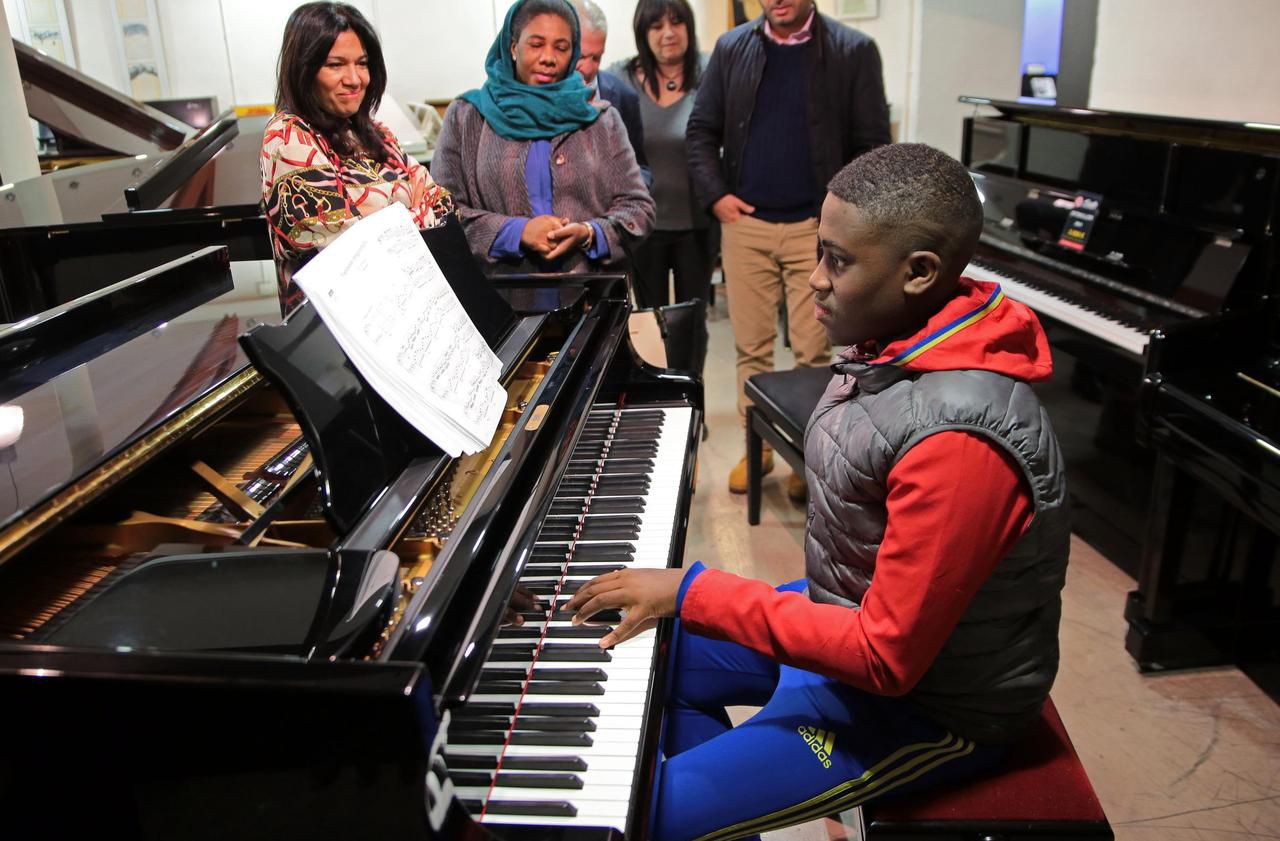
43 25
141 51
857 9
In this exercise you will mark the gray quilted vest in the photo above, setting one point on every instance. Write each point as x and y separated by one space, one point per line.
994 672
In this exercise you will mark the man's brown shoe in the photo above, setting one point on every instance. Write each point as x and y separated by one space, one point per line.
738 475
797 488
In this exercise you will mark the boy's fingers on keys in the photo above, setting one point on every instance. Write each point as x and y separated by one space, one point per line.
631 624
599 584
599 602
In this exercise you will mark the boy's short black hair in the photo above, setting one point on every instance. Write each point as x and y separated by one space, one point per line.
918 197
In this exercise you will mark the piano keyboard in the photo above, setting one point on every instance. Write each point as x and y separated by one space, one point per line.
1105 327
578 712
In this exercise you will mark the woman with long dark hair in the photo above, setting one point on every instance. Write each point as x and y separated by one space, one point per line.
325 161
665 73
543 178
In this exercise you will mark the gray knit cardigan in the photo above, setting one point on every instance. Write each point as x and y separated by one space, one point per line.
594 178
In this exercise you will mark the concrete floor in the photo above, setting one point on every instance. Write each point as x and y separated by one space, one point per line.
1188 756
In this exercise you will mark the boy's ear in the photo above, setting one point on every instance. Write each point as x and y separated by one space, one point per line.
924 271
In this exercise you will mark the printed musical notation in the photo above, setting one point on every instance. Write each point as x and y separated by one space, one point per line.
390 307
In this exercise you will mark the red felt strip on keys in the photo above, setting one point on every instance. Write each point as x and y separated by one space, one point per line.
564 573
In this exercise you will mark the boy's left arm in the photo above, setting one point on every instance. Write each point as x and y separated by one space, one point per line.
956 505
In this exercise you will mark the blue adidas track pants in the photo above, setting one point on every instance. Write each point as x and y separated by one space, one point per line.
817 747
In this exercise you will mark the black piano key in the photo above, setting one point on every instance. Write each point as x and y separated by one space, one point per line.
521 737
541 708
515 763
548 708
551 739
479 737
564 687
637 448
559 652
592 570
622 485
488 708
511 653
560 632
552 673
549 588
518 676
517 780
610 552
604 617
605 551
581 632
470 778
520 632
602 530
542 570
619 465
594 528
602 505
539 687
533 808
572 653
633 485
525 723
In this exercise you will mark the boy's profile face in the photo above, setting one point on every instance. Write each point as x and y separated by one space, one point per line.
860 282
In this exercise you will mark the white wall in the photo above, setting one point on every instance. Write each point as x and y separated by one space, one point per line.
195 51
892 31
93 28
960 47
434 49
1188 58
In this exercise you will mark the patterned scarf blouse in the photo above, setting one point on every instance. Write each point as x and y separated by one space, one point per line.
312 194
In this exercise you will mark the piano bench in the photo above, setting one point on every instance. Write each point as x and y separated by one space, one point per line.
781 403
1041 791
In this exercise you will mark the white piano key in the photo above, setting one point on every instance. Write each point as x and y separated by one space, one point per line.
605 799
1096 324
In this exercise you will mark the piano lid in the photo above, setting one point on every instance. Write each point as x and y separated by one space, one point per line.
1167 211
87 399
1223 134
75 105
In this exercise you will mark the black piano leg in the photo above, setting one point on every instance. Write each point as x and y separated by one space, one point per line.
755 455
1154 639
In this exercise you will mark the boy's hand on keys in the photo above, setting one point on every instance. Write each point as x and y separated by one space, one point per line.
644 596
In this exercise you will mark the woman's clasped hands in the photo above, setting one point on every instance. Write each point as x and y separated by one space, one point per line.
551 237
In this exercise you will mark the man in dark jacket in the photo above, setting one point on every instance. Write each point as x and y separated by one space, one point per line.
786 101
595 31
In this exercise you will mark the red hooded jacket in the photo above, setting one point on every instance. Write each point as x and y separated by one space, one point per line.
941 541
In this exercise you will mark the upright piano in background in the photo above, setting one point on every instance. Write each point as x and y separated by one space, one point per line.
247 600
1146 244
148 189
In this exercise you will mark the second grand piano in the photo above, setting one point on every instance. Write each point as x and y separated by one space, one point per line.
245 601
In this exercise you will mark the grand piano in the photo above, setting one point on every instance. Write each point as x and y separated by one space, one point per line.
1114 227
240 597
155 191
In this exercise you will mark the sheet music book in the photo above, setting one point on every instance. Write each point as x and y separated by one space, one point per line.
381 293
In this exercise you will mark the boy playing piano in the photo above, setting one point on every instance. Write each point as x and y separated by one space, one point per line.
924 637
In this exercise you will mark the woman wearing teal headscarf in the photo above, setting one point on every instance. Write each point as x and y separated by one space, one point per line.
542 178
